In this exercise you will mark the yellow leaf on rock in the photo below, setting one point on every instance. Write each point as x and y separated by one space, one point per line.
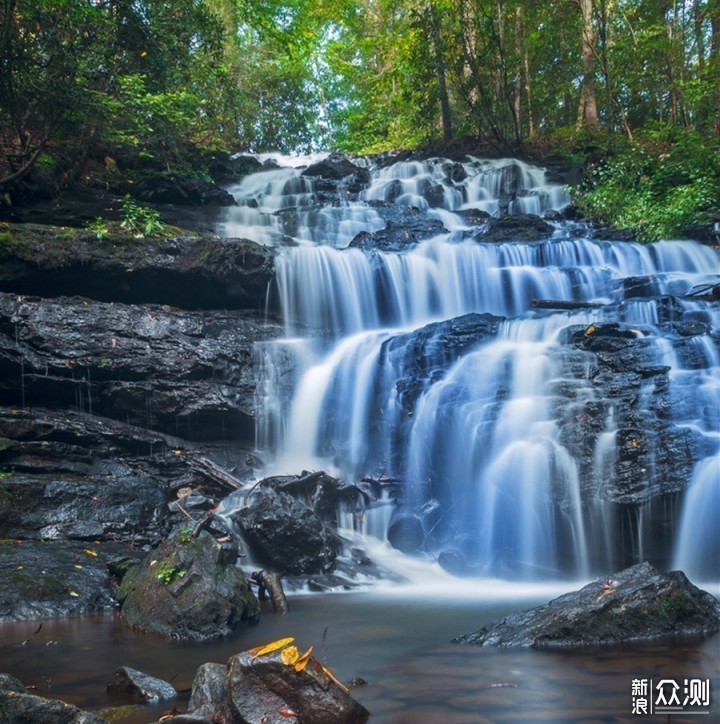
332 676
90 553
302 662
269 648
289 655
590 329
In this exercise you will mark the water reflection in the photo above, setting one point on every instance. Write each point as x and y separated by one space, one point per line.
398 643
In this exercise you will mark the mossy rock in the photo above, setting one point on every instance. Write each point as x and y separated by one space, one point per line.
189 588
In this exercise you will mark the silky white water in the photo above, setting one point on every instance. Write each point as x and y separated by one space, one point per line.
495 438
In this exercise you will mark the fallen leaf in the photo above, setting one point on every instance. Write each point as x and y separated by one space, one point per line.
332 676
287 713
74 594
289 655
90 553
77 565
269 648
590 329
302 662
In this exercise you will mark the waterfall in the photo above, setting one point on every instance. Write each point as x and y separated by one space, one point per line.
529 444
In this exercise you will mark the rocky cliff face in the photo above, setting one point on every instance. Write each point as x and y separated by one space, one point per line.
106 398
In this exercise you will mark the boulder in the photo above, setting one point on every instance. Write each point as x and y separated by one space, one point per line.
135 686
189 588
334 167
405 532
185 373
516 227
637 604
19 706
285 534
190 272
272 688
405 227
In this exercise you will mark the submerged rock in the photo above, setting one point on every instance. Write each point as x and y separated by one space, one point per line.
19 706
136 686
637 604
188 588
272 688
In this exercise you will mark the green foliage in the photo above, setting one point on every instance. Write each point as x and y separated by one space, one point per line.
167 574
140 220
658 188
98 227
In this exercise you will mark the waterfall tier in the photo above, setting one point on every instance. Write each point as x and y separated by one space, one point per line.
524 443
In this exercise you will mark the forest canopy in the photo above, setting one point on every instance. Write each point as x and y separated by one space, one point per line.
150 81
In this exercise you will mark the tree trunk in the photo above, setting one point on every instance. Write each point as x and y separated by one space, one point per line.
588 110
445 113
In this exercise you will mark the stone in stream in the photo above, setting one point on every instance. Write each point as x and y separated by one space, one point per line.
274 687
285 534
637 604
188 588
136 686
19 706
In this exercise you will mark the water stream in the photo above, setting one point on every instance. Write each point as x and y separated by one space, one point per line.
512 456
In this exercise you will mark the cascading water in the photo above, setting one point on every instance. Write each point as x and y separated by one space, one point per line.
528 443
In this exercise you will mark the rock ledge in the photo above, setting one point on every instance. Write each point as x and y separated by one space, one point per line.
637 604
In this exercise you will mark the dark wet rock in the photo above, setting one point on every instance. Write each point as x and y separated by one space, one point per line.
516 227
435 196
265 689
333 167
10 683
429 351
74 476
642 287
49 579
184 191
184 589
475 217
405 227
226 169
285 534
187 272
453 561
628 382
185 373
135 686
405 532
637 604
210 696
455 172
19 706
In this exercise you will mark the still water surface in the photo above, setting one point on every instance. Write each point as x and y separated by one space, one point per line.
399 641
